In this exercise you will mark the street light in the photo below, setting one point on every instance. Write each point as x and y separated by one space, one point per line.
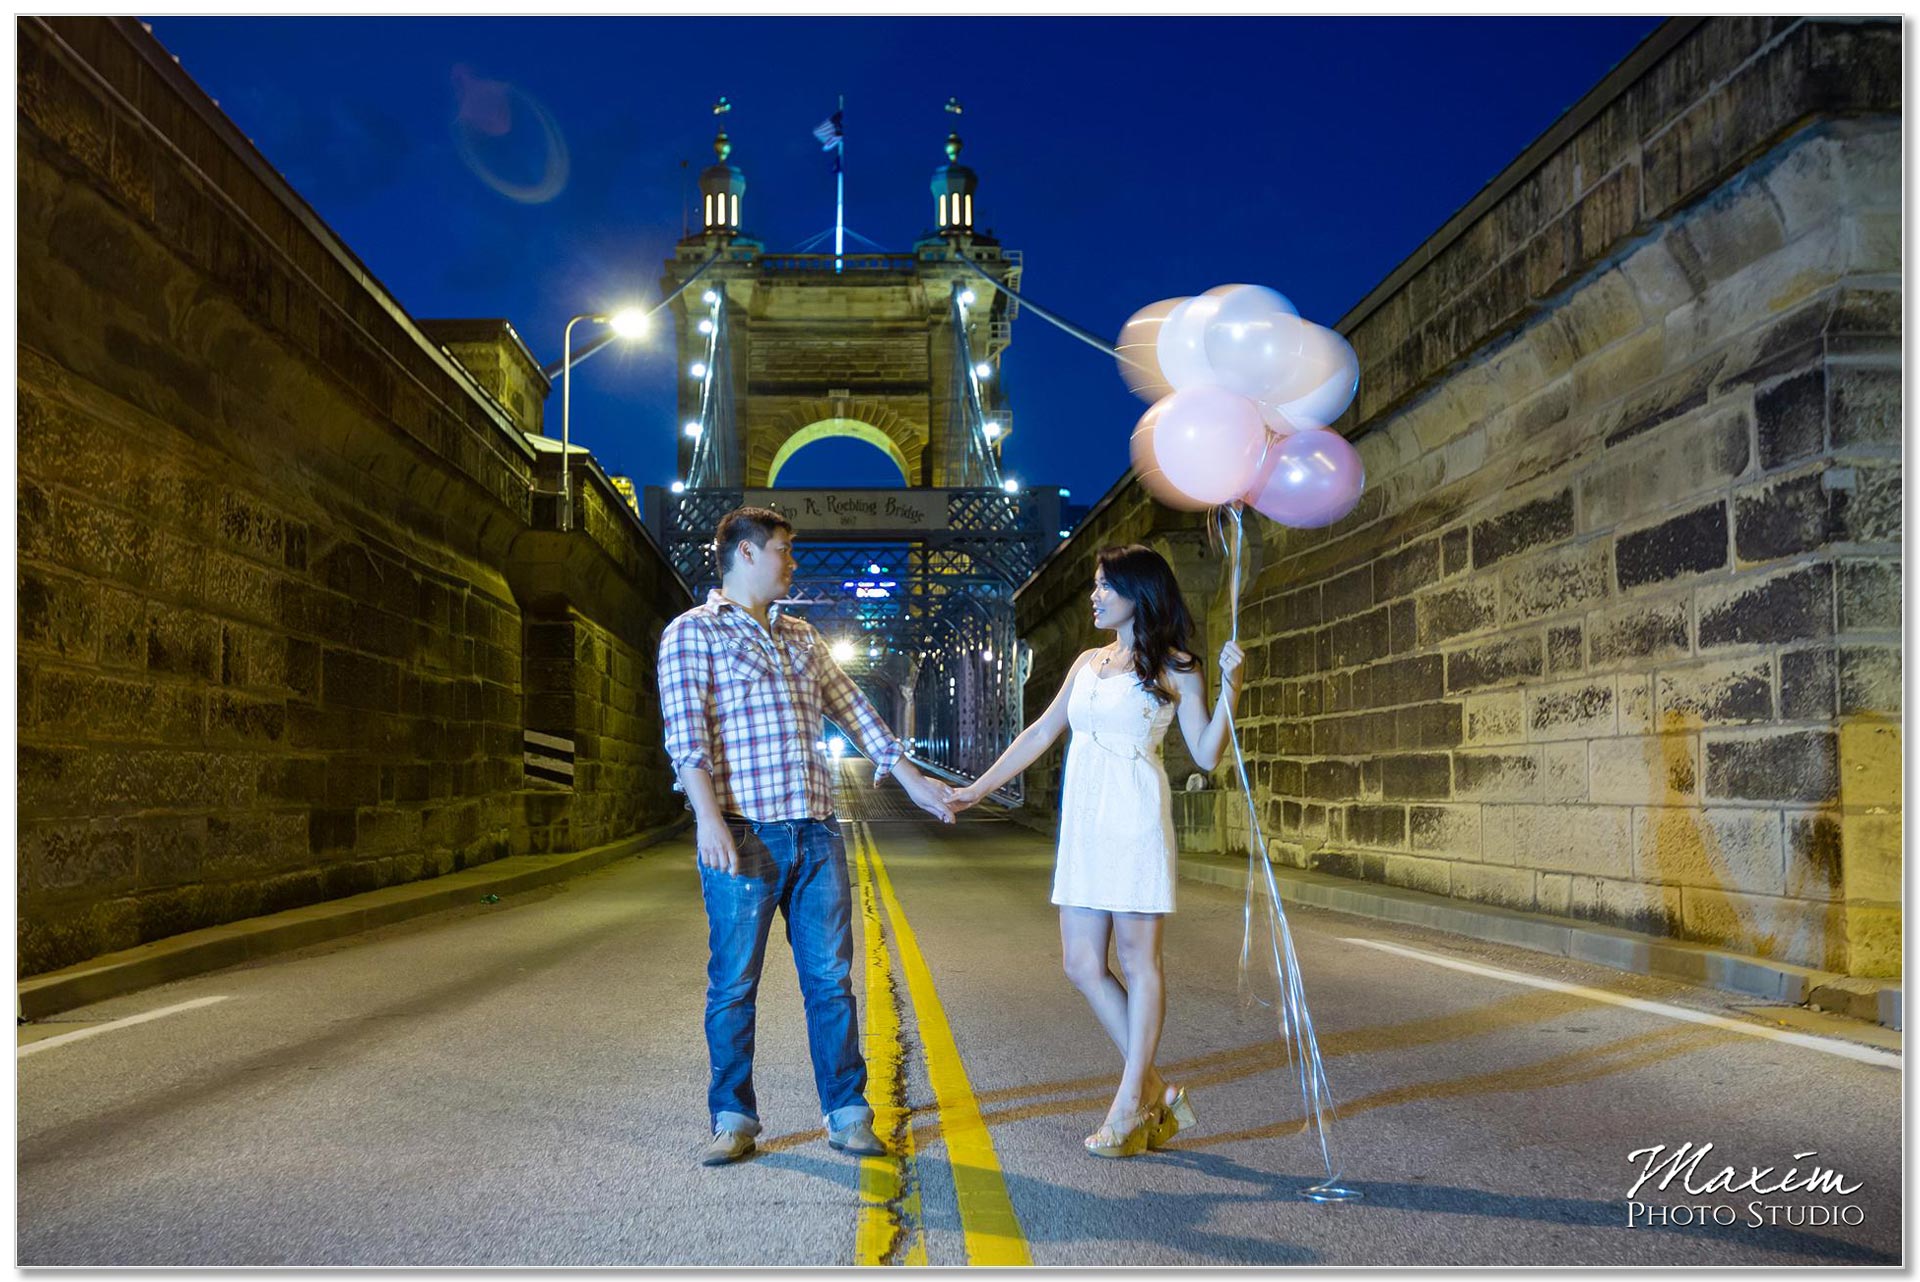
628 322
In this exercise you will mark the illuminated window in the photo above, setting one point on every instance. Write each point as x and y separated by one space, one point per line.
708 205
736 210
968 221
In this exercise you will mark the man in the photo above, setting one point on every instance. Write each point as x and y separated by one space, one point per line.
743 688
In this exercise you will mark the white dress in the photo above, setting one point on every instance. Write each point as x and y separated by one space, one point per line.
1116 811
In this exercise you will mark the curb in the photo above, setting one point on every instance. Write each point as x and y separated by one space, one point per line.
1877 1001
198 951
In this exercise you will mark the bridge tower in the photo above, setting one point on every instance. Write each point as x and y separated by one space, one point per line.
900 350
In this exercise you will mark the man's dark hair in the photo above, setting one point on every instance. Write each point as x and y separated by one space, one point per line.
754 523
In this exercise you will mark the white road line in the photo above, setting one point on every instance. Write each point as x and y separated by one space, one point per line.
48 1043
1845 1050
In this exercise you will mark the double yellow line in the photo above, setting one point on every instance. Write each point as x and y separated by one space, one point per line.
890 1225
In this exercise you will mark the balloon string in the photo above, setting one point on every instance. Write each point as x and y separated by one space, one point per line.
1297 1037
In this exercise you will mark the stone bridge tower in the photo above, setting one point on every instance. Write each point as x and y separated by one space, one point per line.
861 345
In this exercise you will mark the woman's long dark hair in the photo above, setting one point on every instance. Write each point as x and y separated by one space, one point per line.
1161 624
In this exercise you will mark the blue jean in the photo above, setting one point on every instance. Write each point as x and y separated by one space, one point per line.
798 866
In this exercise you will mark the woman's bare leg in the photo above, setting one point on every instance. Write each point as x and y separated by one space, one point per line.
1137 948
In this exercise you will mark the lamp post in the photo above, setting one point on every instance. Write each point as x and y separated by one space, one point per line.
628 323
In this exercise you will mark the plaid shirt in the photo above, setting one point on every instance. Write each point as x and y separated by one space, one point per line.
745 706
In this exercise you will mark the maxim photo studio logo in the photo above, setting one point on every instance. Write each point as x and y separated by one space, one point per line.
1687 1170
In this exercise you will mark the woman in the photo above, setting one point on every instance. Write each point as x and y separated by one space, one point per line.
1114 874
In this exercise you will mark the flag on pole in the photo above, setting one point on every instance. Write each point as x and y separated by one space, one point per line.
828 132
832 137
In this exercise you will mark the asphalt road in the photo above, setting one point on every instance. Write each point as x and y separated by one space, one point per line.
523 1084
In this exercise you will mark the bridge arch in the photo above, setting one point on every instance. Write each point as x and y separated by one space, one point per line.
872 422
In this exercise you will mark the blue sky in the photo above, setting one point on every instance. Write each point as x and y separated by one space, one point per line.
1131 159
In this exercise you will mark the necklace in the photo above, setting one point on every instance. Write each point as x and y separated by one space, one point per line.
1107 657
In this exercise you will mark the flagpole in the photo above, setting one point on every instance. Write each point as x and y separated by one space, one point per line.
840 192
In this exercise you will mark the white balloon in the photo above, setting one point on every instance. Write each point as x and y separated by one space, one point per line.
1182 343
1254 342
1328 361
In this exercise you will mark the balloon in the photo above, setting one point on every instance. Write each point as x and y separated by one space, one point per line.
1309 479
1332 374
1147 467
1253 343
1206 442
1138 354
1181 344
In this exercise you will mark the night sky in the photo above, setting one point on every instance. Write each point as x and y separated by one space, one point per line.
1132 159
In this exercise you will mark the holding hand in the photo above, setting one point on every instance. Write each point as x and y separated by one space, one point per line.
928 794
964 798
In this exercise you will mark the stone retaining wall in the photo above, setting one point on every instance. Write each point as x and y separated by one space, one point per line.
288 597
1615 632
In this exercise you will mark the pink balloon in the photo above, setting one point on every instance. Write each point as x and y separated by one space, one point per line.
1206 443
1139 356
1309 479
1147 467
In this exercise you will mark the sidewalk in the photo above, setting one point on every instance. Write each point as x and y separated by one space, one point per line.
199 951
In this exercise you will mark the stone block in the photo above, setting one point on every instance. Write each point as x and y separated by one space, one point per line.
1636 703
1445 830
1415 873
1738 225
1869 680
1357 640
1349 594
1663 469
1552 892
1455 550
1418 776
1503 887
57 614
1410 680
1806 933
1807 684
1565 580
1400 573
1459 611
1377 826
1726 692
1571 710
1640 630
1644 769
1868 511
1871 869
1724 849
1535 524
1563 772
1870 761
1496 776
1813 854
1692 543
1494 718
1331 780
1863 405
1869 595
1566 649
78 706
1663 400
1498 662
1629 905
1792 605
1794 766
1791 419
1787 516
1427 725
1587 840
